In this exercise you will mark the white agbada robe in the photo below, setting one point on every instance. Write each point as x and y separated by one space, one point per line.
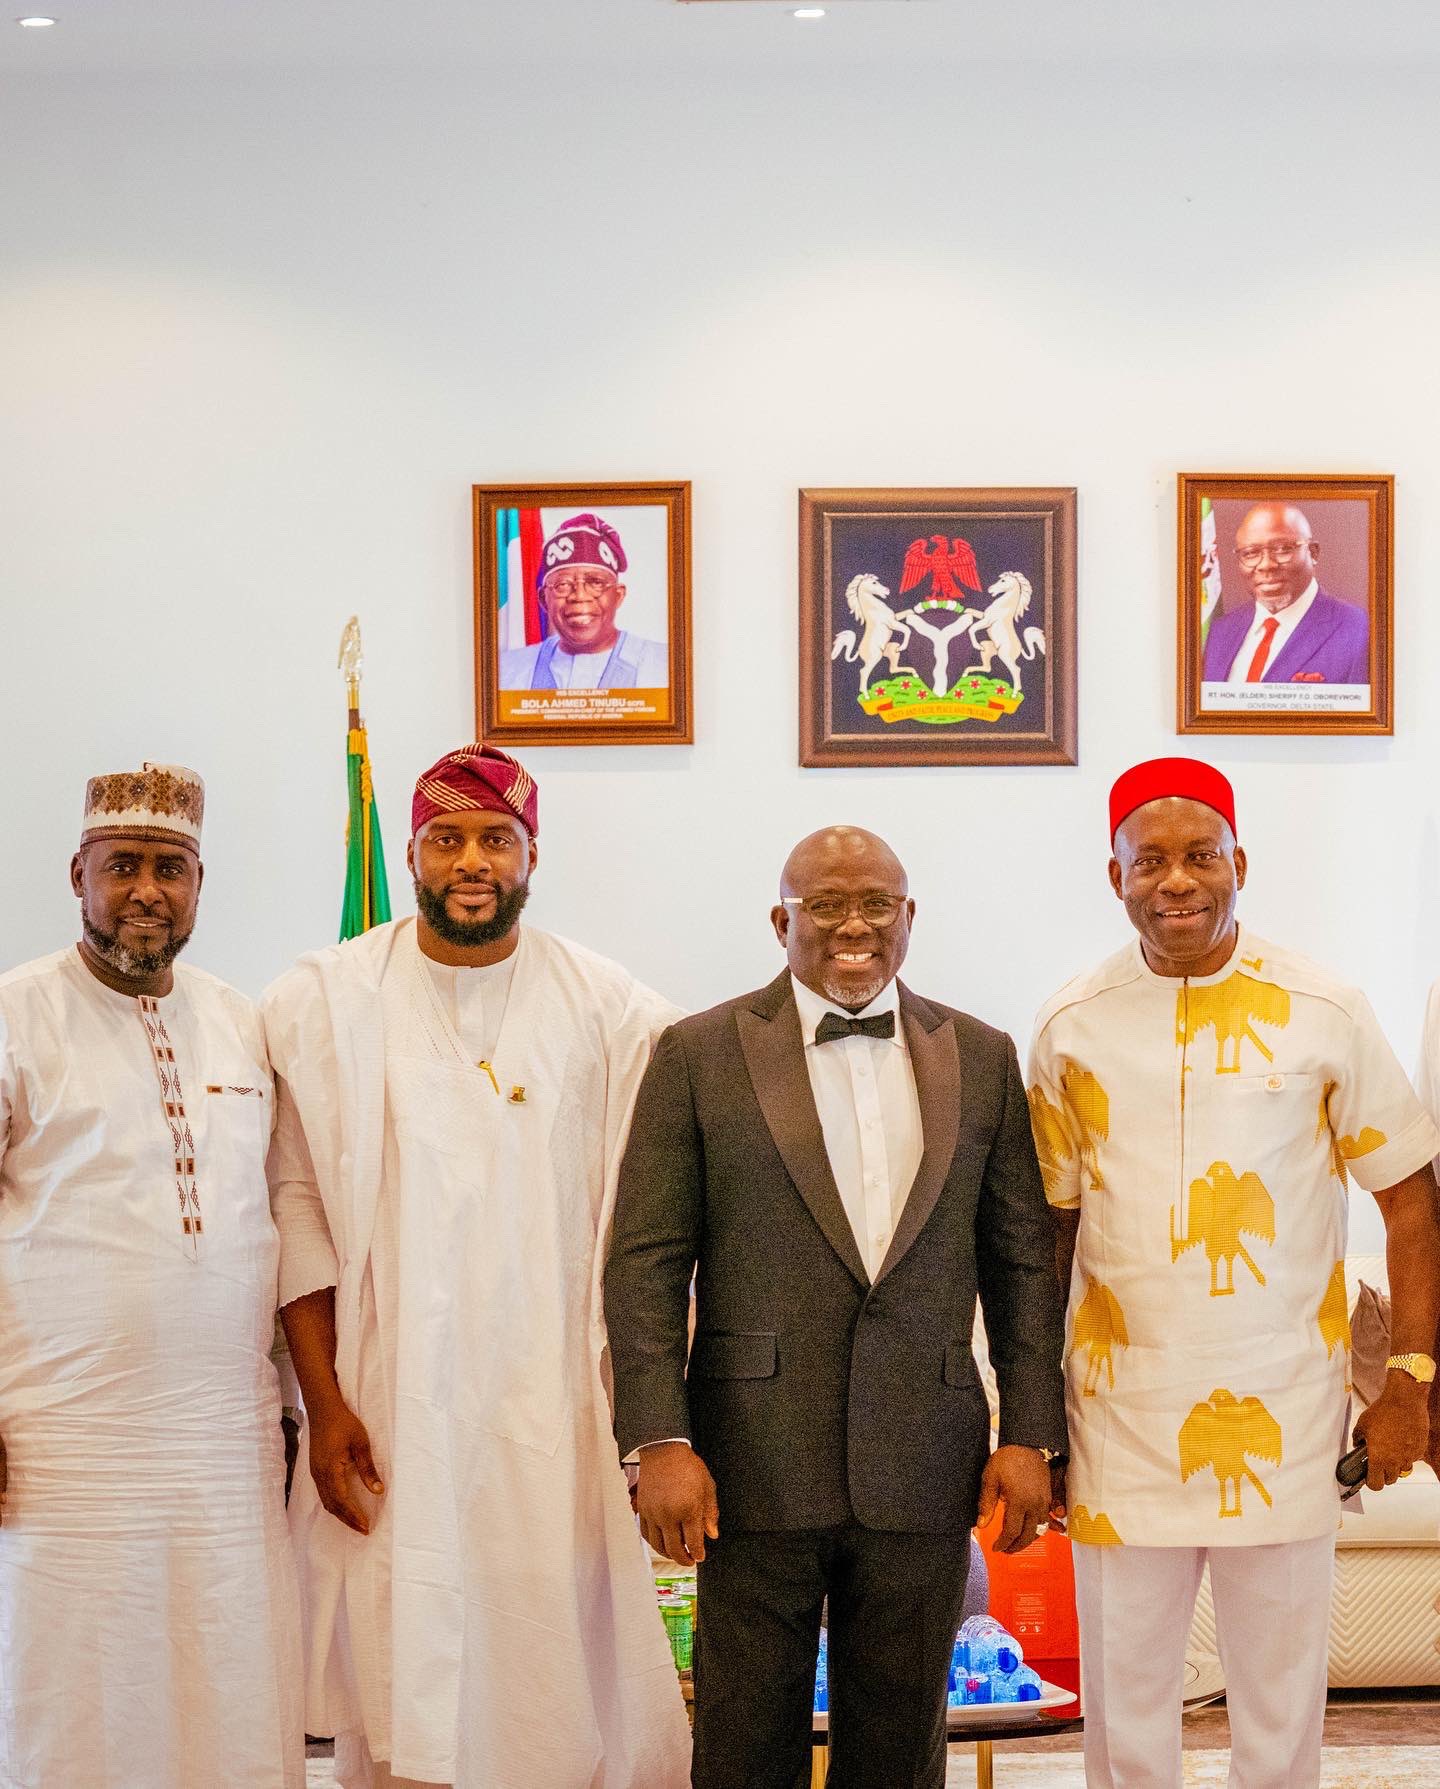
148 1605
498 1628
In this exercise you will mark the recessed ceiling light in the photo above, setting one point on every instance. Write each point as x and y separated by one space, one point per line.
809 12
35 24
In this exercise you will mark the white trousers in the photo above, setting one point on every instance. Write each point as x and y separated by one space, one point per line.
1272 1625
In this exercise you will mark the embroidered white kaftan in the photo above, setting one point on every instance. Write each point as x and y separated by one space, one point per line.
497 1629
148 1604
1204 1127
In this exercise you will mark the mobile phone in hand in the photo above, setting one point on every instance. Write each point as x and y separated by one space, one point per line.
1352 1470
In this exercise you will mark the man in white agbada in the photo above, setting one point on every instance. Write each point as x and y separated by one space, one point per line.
1200 1102
454 1097
149 1619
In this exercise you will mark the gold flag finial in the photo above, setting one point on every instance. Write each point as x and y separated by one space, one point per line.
352 659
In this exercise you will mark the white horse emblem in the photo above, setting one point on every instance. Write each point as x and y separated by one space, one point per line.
1012 593
882 635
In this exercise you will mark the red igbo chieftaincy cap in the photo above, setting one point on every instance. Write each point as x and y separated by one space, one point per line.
476 777
583 540
1159 777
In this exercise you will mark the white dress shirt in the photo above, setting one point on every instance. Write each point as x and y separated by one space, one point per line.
1289 618
864 1091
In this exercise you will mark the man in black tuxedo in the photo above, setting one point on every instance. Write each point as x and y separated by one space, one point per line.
842 1165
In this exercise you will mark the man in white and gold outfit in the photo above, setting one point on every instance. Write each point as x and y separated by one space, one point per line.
455 1092
149 1621
1199 1102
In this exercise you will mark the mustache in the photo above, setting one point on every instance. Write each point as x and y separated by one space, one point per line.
469 932
133 963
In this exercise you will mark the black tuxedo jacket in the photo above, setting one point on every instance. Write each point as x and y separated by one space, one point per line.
813 1395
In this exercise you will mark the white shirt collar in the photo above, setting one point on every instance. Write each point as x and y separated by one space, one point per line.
813 1007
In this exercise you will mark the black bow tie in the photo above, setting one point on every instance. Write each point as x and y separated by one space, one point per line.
833 1026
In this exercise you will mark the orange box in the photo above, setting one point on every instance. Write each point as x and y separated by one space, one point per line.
1032 1594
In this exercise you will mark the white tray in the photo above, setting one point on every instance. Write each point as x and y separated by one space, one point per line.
992 1714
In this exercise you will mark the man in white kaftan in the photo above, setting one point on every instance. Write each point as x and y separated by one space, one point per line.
449 1138
149 1619
1199 1101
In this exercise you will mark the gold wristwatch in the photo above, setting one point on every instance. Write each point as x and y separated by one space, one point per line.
1420 1367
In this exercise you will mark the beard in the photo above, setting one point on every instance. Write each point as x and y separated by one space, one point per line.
853 998
134 965
466 934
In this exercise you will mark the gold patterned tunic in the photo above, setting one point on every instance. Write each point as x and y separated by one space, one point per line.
1204 1128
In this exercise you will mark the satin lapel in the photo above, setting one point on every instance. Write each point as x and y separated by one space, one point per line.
774 1054
935 1059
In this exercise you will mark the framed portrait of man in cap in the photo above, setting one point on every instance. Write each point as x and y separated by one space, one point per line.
582 614
1286 604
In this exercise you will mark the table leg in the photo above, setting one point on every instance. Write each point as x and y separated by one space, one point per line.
819 1766
984 1764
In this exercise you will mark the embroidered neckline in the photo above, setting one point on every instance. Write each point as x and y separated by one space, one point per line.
172 1101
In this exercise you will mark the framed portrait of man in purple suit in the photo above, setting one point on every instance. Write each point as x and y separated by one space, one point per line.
1286 594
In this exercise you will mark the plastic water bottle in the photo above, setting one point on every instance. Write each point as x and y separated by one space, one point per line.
1021 1685
989 1648
822 1680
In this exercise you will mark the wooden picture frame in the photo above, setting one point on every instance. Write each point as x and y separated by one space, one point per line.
1253 546
1001 562
548 622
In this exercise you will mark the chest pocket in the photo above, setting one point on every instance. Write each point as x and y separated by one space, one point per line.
1264 1124
231 1125
236 1115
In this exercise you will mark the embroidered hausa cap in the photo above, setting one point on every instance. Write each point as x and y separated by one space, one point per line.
476 776
583 540
158 801
1188 778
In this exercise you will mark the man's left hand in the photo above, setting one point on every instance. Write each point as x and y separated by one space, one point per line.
1019 1478
1395 1429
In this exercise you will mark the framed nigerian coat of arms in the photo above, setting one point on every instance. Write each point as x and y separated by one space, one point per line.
937 626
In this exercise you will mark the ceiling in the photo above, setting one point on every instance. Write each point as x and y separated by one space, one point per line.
136 36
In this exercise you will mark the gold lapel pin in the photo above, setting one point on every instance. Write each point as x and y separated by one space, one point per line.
517 1096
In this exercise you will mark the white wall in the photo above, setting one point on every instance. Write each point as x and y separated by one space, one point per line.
260 332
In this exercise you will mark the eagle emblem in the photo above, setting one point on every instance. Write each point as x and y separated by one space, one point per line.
1221 1434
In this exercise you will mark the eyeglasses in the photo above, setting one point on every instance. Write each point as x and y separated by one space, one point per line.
830 910
592 583
1281 551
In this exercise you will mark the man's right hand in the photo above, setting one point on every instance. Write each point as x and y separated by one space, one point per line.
339 1445
676 1502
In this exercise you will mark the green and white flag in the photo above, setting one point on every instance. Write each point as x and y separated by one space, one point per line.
367 889
1209 570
